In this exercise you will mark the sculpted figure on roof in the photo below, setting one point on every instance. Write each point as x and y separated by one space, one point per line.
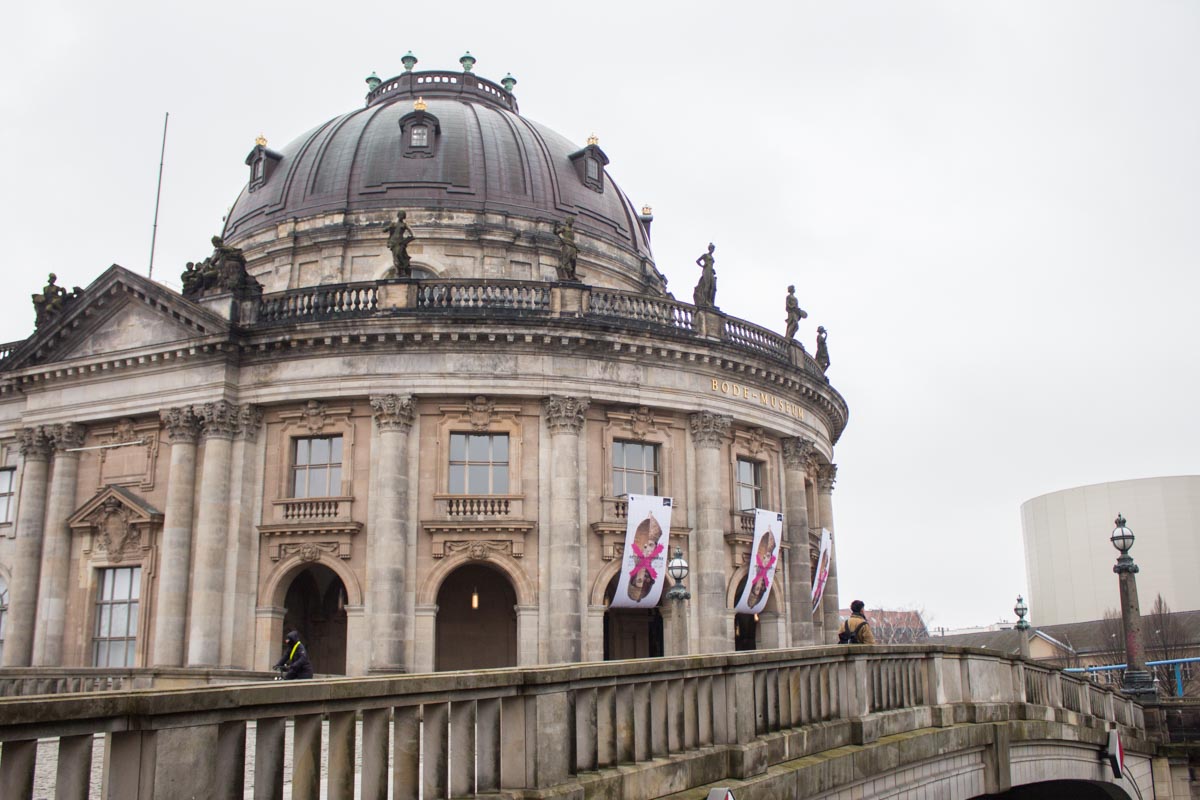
569 254
705 293
399 236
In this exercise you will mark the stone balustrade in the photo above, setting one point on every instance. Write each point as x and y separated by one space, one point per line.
24 681
669 724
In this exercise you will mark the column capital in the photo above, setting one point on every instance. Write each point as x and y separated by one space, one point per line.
564 414
36 443
182 424
826 477
393 412
67 436
709 429
797 451
218 419
249 421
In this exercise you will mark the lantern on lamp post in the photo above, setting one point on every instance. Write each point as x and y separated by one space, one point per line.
1022 626
1137 681
677 568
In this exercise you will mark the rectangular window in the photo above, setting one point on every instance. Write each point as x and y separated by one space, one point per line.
420 136
749 484
593 169
115 641
7 478
317 467
478 463
634 468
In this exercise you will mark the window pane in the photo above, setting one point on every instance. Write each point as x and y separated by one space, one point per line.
420 136
119 616
121 592
618 455
652 457
106 584
336 445
634 456
300 483
744 474
477 479
500 449
102 620
618 482
635 484
335 481
137 583
4 508
301 452
318 485
458 447
130 647
6 480
457 478
745 498
320 451
101 654
133 619
500 479
477 448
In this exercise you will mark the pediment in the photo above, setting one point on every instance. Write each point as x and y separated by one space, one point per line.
114 503
120 311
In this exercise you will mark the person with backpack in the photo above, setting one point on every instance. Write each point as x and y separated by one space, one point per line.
856 630
295 664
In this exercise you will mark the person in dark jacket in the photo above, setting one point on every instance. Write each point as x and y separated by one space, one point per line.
294 663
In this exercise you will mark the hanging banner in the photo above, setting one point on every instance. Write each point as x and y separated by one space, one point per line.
822 573
644 564
764 549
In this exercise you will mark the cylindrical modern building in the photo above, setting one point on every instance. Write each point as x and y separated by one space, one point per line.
1069 560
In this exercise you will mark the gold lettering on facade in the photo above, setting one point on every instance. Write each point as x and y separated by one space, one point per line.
736 391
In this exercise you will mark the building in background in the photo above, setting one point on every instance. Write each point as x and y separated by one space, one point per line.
399 408
1069 560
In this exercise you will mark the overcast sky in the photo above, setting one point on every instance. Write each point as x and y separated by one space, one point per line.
992 207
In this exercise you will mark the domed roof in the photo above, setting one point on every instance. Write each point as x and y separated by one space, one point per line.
437 140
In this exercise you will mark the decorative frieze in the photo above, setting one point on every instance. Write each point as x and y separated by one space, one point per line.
565 414
479 549
709 429
393 412
182 424
67 436
219 419
36 443
309 551
798 452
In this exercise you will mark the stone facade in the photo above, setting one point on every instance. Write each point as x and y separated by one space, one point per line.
418 473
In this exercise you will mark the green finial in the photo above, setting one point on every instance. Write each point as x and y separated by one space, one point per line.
373 82
467 61
409 61
509 82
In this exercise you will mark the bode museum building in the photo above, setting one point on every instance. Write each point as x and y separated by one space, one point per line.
402 408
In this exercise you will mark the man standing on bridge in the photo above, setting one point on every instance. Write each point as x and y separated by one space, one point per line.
856 630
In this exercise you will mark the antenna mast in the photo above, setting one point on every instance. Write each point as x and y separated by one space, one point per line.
158 193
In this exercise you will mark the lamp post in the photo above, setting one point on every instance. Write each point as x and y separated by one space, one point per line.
1022 626
1137 681
677 568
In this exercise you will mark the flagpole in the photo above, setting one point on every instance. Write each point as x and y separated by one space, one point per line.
158 193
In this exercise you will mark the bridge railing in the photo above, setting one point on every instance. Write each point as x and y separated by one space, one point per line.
468 734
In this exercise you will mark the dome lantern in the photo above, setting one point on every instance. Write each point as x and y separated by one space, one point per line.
409 61
373 82
508 81
467 61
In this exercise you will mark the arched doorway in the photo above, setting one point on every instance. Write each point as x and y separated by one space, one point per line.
315 606
476 620
631 632
1061 790
745 626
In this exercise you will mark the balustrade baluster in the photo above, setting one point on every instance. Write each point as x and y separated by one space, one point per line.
74 774
642 720
587 755
626 725
606 726
374 782
691 714
229 773
704 711
675 716
306 757
462 748
436 743
406 753
515 740
760 702
658 719
340 779
18 757
487 748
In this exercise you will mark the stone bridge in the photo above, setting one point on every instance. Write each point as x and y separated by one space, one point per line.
823 722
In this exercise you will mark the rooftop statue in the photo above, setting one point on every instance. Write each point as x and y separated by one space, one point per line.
822 349
569 254
705 293
224 270
794 313
399 237
53 299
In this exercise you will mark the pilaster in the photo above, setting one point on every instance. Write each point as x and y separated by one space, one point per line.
709 432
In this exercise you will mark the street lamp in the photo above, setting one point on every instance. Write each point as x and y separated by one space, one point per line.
1137 681
677 568
1022 626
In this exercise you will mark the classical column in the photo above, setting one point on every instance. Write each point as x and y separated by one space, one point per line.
389 539
241 557
564 418
27 558
709 574
218 424
56 552
175 553
826 475
796 454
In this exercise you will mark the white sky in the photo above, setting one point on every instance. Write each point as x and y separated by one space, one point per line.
991 206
